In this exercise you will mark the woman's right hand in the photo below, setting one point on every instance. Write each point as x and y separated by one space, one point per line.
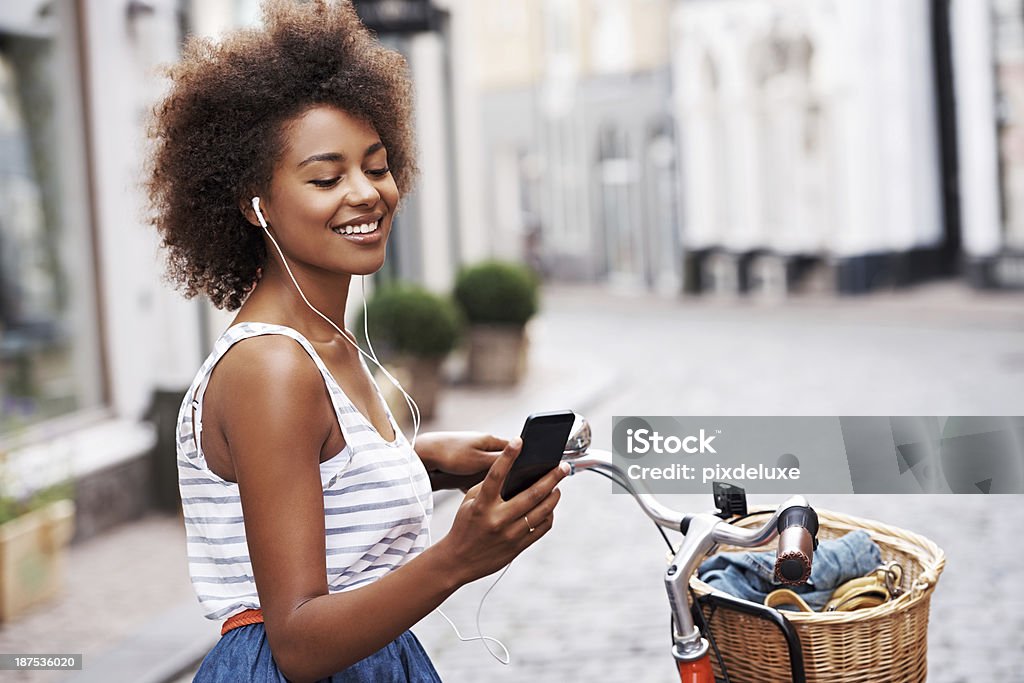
489 532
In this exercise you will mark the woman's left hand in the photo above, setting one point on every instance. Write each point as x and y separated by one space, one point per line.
458 459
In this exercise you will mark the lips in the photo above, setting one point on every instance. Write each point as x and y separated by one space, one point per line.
366 230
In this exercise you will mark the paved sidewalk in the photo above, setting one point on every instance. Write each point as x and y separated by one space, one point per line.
587 602
120 584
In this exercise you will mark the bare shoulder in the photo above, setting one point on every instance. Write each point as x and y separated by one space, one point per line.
269 382
270 357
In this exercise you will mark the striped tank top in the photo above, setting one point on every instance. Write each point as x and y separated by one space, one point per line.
372 519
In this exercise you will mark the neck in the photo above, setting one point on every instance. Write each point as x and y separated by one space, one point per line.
328 292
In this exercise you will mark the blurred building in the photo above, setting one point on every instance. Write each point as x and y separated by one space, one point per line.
570 108
745 145
809 130
88 329
997 35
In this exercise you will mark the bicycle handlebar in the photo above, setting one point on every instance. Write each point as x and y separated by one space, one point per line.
798 528
601 461
794 521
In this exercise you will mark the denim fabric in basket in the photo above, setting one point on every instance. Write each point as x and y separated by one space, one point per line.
243 656
751 576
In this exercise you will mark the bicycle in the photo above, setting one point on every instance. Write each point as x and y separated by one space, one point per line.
794 522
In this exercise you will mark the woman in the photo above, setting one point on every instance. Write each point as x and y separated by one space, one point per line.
279 158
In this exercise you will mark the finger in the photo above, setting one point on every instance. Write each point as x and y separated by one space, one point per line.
539 530
472 462
490 443
490 488
474 491
545 507
526 500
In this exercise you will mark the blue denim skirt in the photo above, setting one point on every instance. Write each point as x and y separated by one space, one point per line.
243 656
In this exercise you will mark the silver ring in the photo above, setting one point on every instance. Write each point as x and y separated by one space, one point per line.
528 523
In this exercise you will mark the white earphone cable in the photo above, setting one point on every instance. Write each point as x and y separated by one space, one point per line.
414 411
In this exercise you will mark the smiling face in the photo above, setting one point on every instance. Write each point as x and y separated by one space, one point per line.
332 198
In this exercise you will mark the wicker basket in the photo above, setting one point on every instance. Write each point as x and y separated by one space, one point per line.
884 643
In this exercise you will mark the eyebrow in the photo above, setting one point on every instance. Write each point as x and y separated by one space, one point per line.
337 156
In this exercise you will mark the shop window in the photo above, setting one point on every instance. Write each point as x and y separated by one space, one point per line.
45 368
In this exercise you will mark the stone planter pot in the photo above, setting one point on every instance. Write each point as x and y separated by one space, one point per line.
497 354
32 557
424 382
421 377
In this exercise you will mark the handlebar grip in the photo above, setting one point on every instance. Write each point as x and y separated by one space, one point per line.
798 529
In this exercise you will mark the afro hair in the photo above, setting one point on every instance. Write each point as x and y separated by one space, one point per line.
220 130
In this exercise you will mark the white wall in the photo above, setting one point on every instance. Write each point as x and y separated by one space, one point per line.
473 235
151 332
975 110
435 218
836 153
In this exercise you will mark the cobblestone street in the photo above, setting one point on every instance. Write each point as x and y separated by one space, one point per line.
587 602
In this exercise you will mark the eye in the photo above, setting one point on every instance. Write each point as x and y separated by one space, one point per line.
379 172
327 182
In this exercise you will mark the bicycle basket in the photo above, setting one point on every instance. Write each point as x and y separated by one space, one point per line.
884 643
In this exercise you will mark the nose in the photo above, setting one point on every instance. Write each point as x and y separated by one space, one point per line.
361 191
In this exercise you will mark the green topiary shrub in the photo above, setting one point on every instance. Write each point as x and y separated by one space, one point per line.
497 292
407 319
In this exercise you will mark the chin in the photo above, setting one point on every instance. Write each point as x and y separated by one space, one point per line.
368 268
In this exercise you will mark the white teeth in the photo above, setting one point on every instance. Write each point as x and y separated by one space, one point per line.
356 229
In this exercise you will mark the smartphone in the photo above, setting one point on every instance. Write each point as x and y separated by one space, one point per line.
544 438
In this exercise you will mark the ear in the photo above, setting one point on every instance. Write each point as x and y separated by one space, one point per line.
245 206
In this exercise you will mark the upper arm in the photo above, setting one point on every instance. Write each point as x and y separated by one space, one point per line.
276 419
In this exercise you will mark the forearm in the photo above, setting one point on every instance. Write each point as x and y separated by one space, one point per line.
426 451
457 460
328 633
427 446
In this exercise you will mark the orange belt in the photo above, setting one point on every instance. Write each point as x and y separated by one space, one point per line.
249 616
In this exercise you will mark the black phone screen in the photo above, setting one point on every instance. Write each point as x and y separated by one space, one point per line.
544 437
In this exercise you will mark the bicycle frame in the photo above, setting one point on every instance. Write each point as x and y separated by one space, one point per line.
702 533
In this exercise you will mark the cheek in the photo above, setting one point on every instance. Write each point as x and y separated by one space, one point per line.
390 195
315 205
292 201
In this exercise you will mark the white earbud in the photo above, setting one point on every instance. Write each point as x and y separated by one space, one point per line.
259 214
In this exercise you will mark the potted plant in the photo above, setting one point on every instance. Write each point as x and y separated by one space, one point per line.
413 330
498 299
34 531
